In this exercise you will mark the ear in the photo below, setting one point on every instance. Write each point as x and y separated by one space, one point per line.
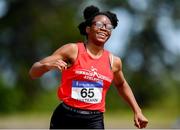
87 29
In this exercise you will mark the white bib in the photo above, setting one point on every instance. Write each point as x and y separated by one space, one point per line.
87 91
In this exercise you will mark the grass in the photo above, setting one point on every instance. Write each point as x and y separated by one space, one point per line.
158 118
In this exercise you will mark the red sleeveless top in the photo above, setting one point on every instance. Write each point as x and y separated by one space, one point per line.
84 85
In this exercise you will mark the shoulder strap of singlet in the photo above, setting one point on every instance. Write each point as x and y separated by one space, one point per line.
110 57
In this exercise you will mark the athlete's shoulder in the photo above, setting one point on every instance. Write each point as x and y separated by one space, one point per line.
74 46
67 48
71 46
117 60
117 63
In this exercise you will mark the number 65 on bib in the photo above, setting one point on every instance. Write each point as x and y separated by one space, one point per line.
87 91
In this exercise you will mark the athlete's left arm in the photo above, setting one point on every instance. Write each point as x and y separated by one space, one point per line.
127 94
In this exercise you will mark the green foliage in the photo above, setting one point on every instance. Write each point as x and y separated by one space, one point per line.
46 101
10 99
114 101
32 30
147 91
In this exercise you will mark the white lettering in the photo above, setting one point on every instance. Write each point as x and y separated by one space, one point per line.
91 75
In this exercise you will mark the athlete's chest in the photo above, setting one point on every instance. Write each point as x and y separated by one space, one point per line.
94 70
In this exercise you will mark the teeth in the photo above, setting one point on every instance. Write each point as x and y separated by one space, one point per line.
102 34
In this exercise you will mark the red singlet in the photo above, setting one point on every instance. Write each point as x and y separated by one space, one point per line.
84 85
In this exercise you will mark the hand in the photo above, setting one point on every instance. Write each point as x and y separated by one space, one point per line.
140 120
56 64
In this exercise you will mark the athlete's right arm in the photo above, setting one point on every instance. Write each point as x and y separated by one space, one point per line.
57 60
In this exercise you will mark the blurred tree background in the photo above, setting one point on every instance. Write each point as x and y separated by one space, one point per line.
33 29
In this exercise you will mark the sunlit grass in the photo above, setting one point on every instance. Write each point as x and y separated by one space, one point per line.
158 118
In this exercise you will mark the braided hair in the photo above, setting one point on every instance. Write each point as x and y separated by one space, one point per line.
92 11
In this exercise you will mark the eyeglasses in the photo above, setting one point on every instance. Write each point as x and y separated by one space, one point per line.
99 25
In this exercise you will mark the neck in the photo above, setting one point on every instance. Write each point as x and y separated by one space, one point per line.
94 49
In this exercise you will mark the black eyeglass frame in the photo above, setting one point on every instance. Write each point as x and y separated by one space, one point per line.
100 25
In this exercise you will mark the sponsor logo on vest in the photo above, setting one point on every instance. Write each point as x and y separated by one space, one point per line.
92 74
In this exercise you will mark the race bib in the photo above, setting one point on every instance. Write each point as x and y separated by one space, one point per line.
86 91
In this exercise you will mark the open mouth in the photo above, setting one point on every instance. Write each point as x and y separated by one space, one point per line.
102 35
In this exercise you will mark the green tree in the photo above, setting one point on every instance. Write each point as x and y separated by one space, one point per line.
29 31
